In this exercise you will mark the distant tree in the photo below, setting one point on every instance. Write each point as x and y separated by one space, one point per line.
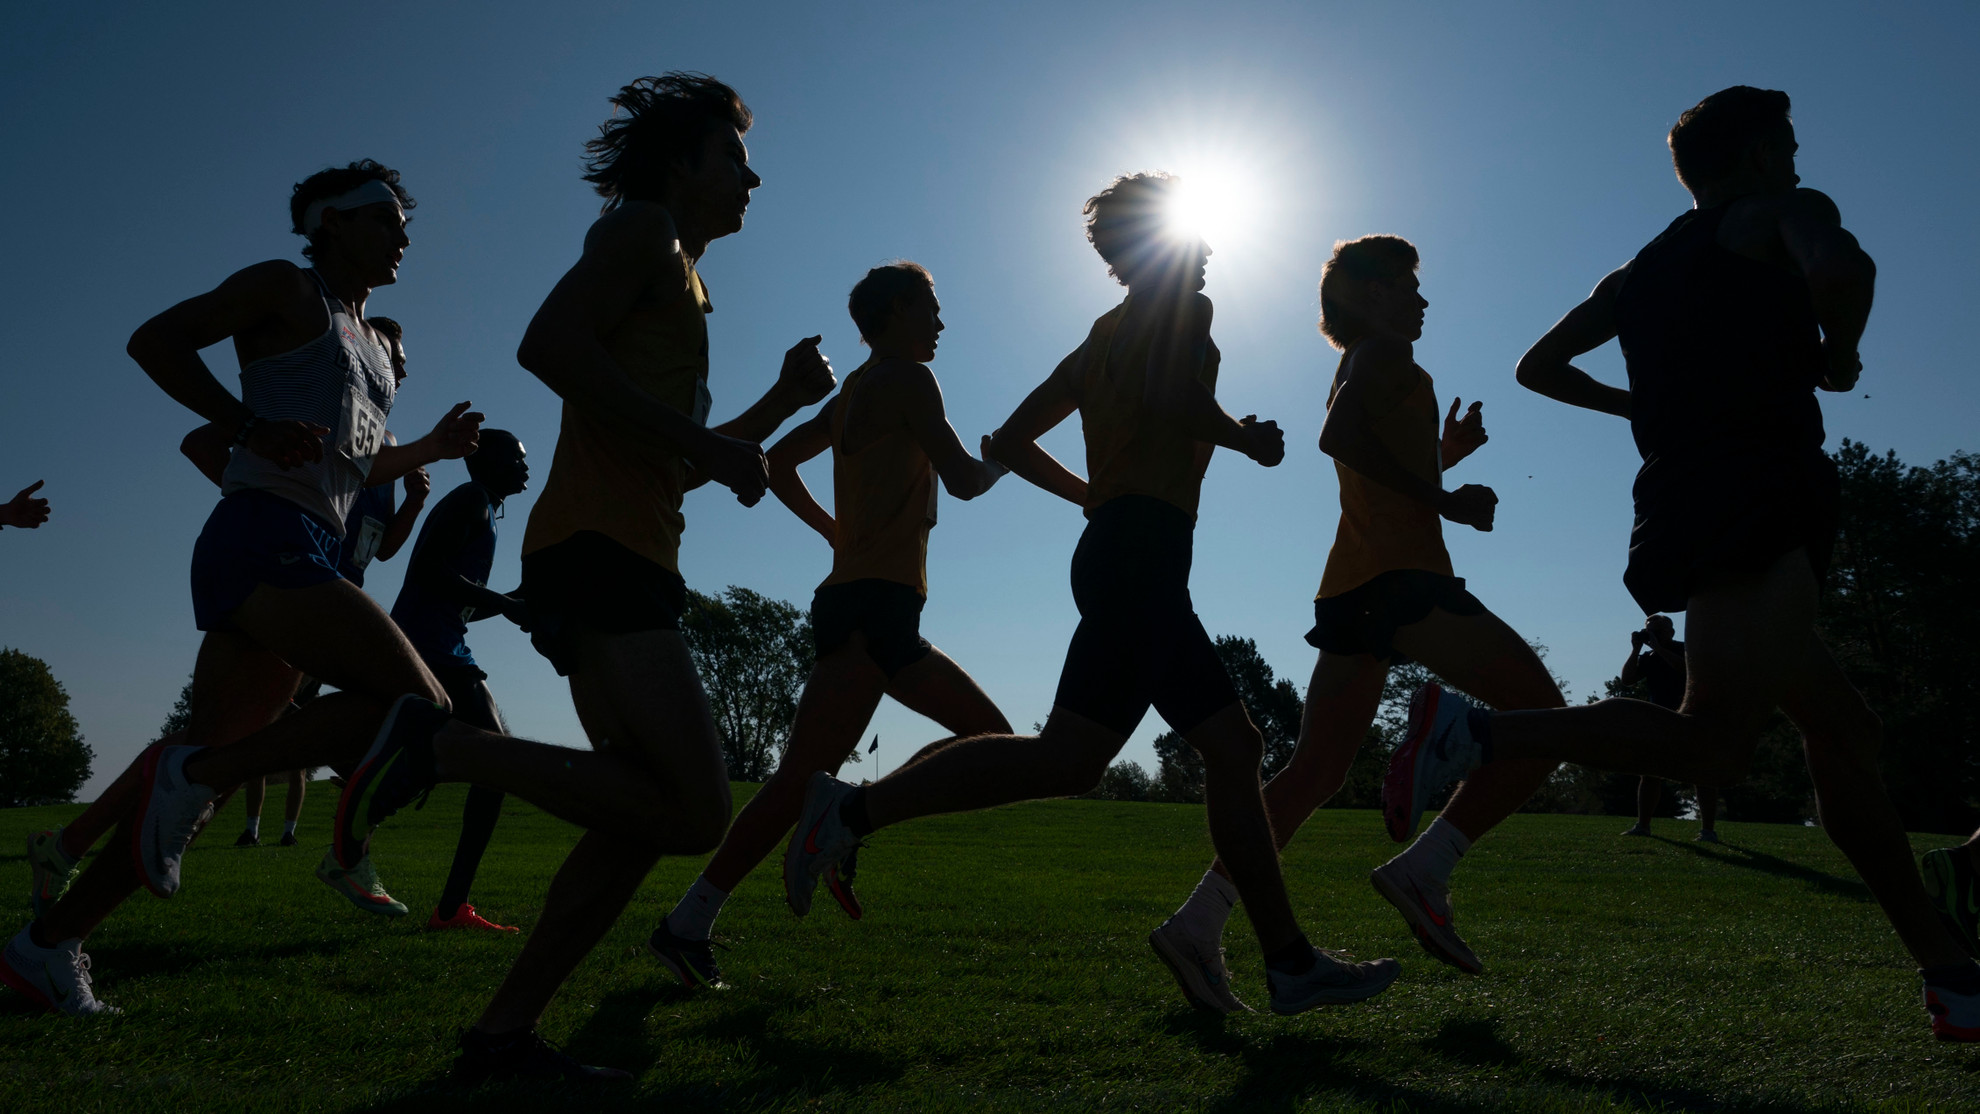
753 654
1275 708
1124 781
181 713
43 759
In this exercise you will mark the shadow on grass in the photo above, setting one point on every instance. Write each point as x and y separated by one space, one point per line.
1732 854
129 961
1472 1040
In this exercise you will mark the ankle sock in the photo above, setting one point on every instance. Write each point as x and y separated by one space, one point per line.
1436 852
1295 958
254 826
1960 978
288 827
852 813
694 917
1209 907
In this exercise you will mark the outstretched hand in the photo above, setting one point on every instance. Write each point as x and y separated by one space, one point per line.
1263 442
1462 436
807 374
457 434
24 511
1472 505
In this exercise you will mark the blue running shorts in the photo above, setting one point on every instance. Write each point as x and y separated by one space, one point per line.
255 537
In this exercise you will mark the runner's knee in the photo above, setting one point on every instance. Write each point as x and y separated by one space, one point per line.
1243 748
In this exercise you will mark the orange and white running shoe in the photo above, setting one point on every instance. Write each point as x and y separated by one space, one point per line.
466 917
1426 905
1955 1016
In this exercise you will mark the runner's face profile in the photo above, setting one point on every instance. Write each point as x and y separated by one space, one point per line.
916 327
716 188
398 362
507 472
1773 161
1394 307
370 240
1178 265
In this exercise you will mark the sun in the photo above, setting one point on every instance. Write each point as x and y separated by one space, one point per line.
1209 203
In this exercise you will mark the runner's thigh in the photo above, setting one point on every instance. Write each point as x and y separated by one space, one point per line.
641 701
1745 641
838 702
1483 656
335 632
943 691
239 687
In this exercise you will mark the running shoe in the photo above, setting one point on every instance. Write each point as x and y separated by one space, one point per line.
1955 1016
820 840
1950 883
248 839
1637 830
360 886
466 917
1333 980
56 978
289 839
53 869
691 961
839 881
1426 905
521 1055
395 772
1706 835
173 811
1438 750
1198 967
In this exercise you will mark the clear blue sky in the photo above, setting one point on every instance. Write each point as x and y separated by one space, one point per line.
150 151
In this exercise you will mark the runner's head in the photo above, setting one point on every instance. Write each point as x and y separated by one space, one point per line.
1736 141
395 342
896 311
1132 225
677 140
1370 288
354 218
499 463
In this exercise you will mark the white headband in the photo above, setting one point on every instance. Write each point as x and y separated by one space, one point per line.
372 192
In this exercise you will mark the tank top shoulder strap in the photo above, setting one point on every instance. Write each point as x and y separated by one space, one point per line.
330 301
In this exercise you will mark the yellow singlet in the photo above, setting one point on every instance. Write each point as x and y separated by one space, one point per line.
1381 529
625 485
883 500
1130 450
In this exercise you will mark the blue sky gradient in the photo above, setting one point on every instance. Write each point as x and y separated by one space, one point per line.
150 152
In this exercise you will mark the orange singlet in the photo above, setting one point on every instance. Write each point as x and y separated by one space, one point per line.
883 500
1381 529
1131 450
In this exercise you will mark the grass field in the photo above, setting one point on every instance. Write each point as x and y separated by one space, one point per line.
1002 965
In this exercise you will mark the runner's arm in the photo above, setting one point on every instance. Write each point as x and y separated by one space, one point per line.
1376 378
1015 444
1548 368
1842 278
963 475
455 436
805 440
805 377
418 484
1173 386
448 530
208 448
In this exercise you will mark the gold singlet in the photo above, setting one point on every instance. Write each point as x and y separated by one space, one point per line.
622 484
1129 449
1381 529
883 501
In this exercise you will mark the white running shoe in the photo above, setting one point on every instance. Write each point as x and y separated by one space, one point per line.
174 811
1426 905
57 977
1437 750
1331 981
820 840
1198 967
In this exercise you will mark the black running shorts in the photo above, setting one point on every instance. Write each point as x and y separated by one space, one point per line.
888 612
1701 523
588 582
1139 642
1364 619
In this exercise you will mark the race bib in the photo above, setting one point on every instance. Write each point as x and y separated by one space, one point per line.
467 613
360 429
702 402
365 546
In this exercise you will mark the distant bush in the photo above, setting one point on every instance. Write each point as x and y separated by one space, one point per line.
43 759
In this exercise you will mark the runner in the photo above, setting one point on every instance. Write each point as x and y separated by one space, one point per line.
1388 595
889 438
25 511
1729 321
1144 385
446 589
1661 670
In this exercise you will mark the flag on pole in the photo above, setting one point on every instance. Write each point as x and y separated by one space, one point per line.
875 746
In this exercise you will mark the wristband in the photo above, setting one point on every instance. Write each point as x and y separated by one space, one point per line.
247 428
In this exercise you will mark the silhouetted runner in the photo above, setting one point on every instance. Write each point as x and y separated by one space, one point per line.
1729 322
1388 595
890 440
623 340
1144 386
1656 658
445 589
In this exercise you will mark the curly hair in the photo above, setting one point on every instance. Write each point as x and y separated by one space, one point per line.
656 120
1122 219
1367 259
1708 141
331 181
874 297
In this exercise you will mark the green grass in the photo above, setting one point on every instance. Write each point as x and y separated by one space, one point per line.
1002 965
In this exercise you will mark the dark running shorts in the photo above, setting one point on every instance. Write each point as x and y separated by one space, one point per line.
889 612
472 703
1139 642
1364 620
1699 524
254 537
588 582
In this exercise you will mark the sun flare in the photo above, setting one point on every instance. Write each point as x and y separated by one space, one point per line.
1209 204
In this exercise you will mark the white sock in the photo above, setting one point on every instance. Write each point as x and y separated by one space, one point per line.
1208 907
695 915
1436 852
254 826
288 827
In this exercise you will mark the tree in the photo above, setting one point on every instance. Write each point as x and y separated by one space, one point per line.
754 654
180 715
1275 708
43 759
1124 781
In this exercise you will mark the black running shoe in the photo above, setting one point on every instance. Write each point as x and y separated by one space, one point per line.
395 772
1951 884
248 839
289 839
521 1055
691 961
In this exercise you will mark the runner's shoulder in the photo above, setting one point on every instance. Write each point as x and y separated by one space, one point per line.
1801 203
642 227
1381 356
